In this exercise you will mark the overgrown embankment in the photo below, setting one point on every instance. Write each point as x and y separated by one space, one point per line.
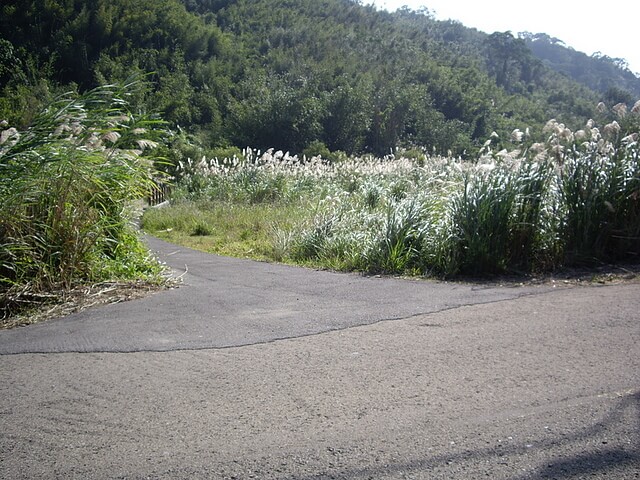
67 184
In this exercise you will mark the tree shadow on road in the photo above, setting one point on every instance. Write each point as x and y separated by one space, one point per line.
597 460
603 459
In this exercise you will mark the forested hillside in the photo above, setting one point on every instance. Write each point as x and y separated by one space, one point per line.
609 76
289 74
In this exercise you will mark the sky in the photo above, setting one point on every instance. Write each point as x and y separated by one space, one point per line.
585 26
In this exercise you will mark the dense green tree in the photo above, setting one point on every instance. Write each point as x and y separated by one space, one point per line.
511 62
273 111
348 116
288 73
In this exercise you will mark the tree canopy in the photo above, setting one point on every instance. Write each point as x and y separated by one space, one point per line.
290 73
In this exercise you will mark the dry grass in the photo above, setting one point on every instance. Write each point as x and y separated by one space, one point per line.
66 302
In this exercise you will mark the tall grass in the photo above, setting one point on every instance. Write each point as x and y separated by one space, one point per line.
600 194
399 243
66 189
482 217
570 199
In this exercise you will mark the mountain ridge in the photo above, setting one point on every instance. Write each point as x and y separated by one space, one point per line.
598 72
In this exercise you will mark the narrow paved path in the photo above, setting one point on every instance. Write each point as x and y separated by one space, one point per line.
227 302
327 376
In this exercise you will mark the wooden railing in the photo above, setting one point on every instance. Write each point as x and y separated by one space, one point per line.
159 194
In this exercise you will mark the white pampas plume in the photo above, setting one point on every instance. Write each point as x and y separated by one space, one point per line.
566 134
612 128
111 137
538 147
7 134
550 126
146 144
620 110
517 135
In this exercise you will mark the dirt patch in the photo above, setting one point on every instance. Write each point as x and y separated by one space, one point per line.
61 303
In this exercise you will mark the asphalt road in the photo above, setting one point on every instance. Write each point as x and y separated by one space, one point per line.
253 370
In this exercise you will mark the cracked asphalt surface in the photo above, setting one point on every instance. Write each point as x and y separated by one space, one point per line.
252 370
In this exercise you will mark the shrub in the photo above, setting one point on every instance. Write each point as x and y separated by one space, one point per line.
319 149
225 153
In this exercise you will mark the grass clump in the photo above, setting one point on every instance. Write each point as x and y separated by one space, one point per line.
66 188
482 216
202 230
